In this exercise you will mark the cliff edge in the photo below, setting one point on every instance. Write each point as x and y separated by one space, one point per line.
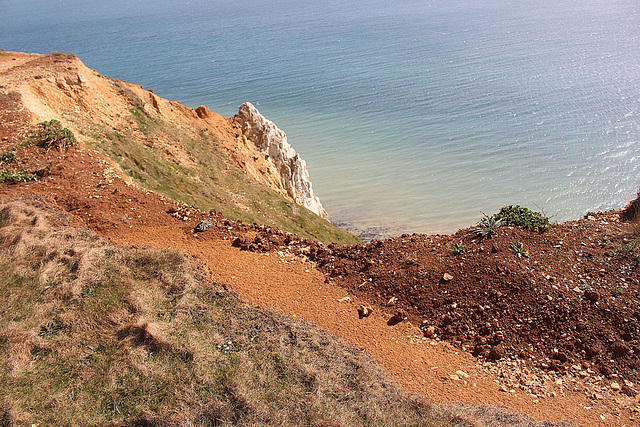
242 167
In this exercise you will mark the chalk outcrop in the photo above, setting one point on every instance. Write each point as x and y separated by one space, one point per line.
272 142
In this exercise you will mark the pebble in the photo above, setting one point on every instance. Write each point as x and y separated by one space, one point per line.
615 386
365 311
462 374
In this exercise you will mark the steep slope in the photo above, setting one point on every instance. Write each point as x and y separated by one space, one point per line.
192 155
301 278
95 334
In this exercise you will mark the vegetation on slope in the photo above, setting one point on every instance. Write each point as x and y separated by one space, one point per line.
94 334
207 180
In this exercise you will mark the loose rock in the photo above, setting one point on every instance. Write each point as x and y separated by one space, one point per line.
203 226
364 311
592 295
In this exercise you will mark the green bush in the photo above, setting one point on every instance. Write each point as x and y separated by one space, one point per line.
52 134
524 218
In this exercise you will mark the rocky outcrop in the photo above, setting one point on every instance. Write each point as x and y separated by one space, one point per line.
272 142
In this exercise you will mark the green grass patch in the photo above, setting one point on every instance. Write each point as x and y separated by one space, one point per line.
145 123
209 181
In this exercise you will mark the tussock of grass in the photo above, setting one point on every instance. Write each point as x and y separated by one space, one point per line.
93 334
209 182
51 134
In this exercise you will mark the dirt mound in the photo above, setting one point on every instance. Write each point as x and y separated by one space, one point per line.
631 212
566 299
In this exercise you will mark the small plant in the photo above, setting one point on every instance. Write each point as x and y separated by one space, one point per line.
626 269
7 175
524 218
604 242
458 248
52 134
8 157
487 227
518 249
51 329
617 291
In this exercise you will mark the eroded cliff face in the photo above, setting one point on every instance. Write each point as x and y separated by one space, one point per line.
59 86
272 143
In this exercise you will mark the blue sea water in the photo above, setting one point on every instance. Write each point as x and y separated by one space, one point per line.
413 115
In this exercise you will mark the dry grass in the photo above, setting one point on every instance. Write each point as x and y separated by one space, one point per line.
492 416
94 334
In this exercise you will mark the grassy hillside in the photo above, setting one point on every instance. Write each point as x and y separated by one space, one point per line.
208 180
94 334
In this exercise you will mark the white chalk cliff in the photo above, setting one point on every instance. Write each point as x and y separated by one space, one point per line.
272 143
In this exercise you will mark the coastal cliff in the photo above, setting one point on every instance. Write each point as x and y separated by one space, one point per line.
241 166
514 311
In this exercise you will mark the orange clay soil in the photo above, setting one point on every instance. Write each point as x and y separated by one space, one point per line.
98 197
85 185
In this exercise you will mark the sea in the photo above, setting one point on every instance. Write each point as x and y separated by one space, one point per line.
414 116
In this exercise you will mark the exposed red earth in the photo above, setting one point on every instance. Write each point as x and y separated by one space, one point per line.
552 333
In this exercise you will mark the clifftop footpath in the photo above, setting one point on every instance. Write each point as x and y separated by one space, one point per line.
542 321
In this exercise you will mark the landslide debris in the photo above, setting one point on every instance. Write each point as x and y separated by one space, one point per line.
563 300
571 301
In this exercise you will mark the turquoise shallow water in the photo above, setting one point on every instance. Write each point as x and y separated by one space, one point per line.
413 116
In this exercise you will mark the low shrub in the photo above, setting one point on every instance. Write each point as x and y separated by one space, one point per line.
52 134
524 218
7 175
